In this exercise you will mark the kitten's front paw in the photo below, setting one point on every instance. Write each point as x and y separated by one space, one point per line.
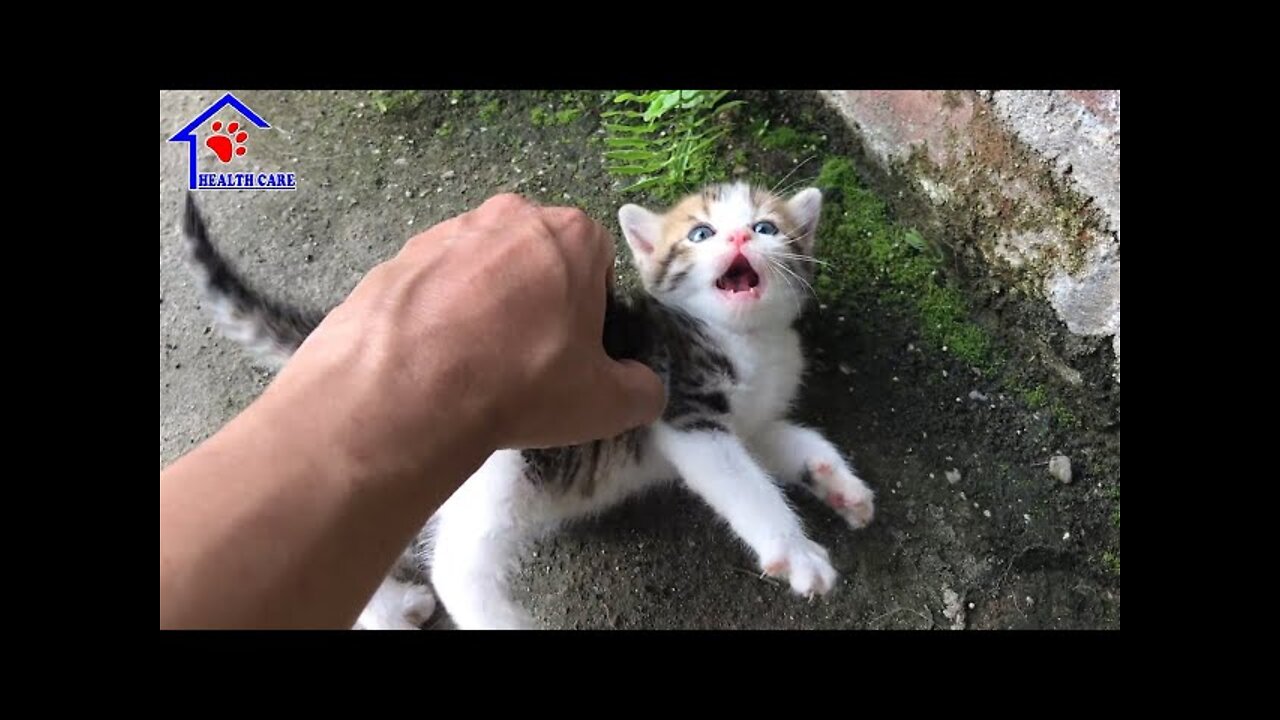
397 606
845 492
804 563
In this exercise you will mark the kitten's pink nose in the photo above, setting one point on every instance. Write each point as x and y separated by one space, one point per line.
738 238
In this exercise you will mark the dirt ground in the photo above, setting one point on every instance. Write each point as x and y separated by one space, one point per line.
972 530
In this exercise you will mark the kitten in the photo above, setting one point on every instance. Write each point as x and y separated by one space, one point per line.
725 273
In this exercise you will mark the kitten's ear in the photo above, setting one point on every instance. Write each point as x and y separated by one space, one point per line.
805 207
641 228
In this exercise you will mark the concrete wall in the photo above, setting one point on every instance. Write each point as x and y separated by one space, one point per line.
1035 174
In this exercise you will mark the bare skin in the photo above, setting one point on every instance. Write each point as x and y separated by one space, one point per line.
483 333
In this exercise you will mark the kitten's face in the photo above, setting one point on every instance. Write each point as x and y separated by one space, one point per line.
732 254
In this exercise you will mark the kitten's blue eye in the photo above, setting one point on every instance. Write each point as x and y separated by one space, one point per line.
700 233
764 227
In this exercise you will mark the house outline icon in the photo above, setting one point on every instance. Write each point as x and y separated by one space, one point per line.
188 133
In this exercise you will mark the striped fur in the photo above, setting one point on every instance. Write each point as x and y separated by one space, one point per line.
270 329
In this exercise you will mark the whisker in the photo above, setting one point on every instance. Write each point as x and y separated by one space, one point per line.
794 295
796 182
793 274
793 172
802 258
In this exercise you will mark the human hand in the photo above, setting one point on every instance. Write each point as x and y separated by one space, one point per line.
489 323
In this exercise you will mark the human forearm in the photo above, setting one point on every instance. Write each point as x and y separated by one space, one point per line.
277 521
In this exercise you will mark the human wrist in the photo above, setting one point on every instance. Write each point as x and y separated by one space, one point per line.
354 424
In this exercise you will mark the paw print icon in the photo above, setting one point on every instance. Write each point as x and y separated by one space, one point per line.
227 141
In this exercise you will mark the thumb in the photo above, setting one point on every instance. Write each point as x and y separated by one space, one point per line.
636 393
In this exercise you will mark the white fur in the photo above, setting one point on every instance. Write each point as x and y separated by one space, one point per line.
479 532
397 605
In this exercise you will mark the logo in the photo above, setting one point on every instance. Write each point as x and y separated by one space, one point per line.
218 141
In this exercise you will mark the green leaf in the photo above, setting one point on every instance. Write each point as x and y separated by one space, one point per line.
915 239
629 154
626 142
624 97
630 129
642 184
632 169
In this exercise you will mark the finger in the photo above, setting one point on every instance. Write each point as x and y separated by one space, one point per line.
634 396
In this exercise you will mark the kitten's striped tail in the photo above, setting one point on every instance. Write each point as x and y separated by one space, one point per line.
270 329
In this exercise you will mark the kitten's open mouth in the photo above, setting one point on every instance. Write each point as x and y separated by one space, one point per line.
740 278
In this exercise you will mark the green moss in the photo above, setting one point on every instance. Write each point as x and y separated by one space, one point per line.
873 259
544 117
445 130
1111 561
1062 415
395 101
1036 397
1113 492
567 115
489 110
785 137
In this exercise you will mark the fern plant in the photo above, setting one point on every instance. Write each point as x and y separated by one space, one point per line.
666 138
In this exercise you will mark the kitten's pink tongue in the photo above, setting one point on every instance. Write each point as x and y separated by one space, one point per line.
740 277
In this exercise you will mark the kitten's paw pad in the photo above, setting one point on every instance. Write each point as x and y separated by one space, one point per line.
857 510
228 145
844 492
805 564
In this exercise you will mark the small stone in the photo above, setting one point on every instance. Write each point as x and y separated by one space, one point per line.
953 476
986 513
1060 468
845 369
975 395
1066 536
447 174
408 193
953 609
400 161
